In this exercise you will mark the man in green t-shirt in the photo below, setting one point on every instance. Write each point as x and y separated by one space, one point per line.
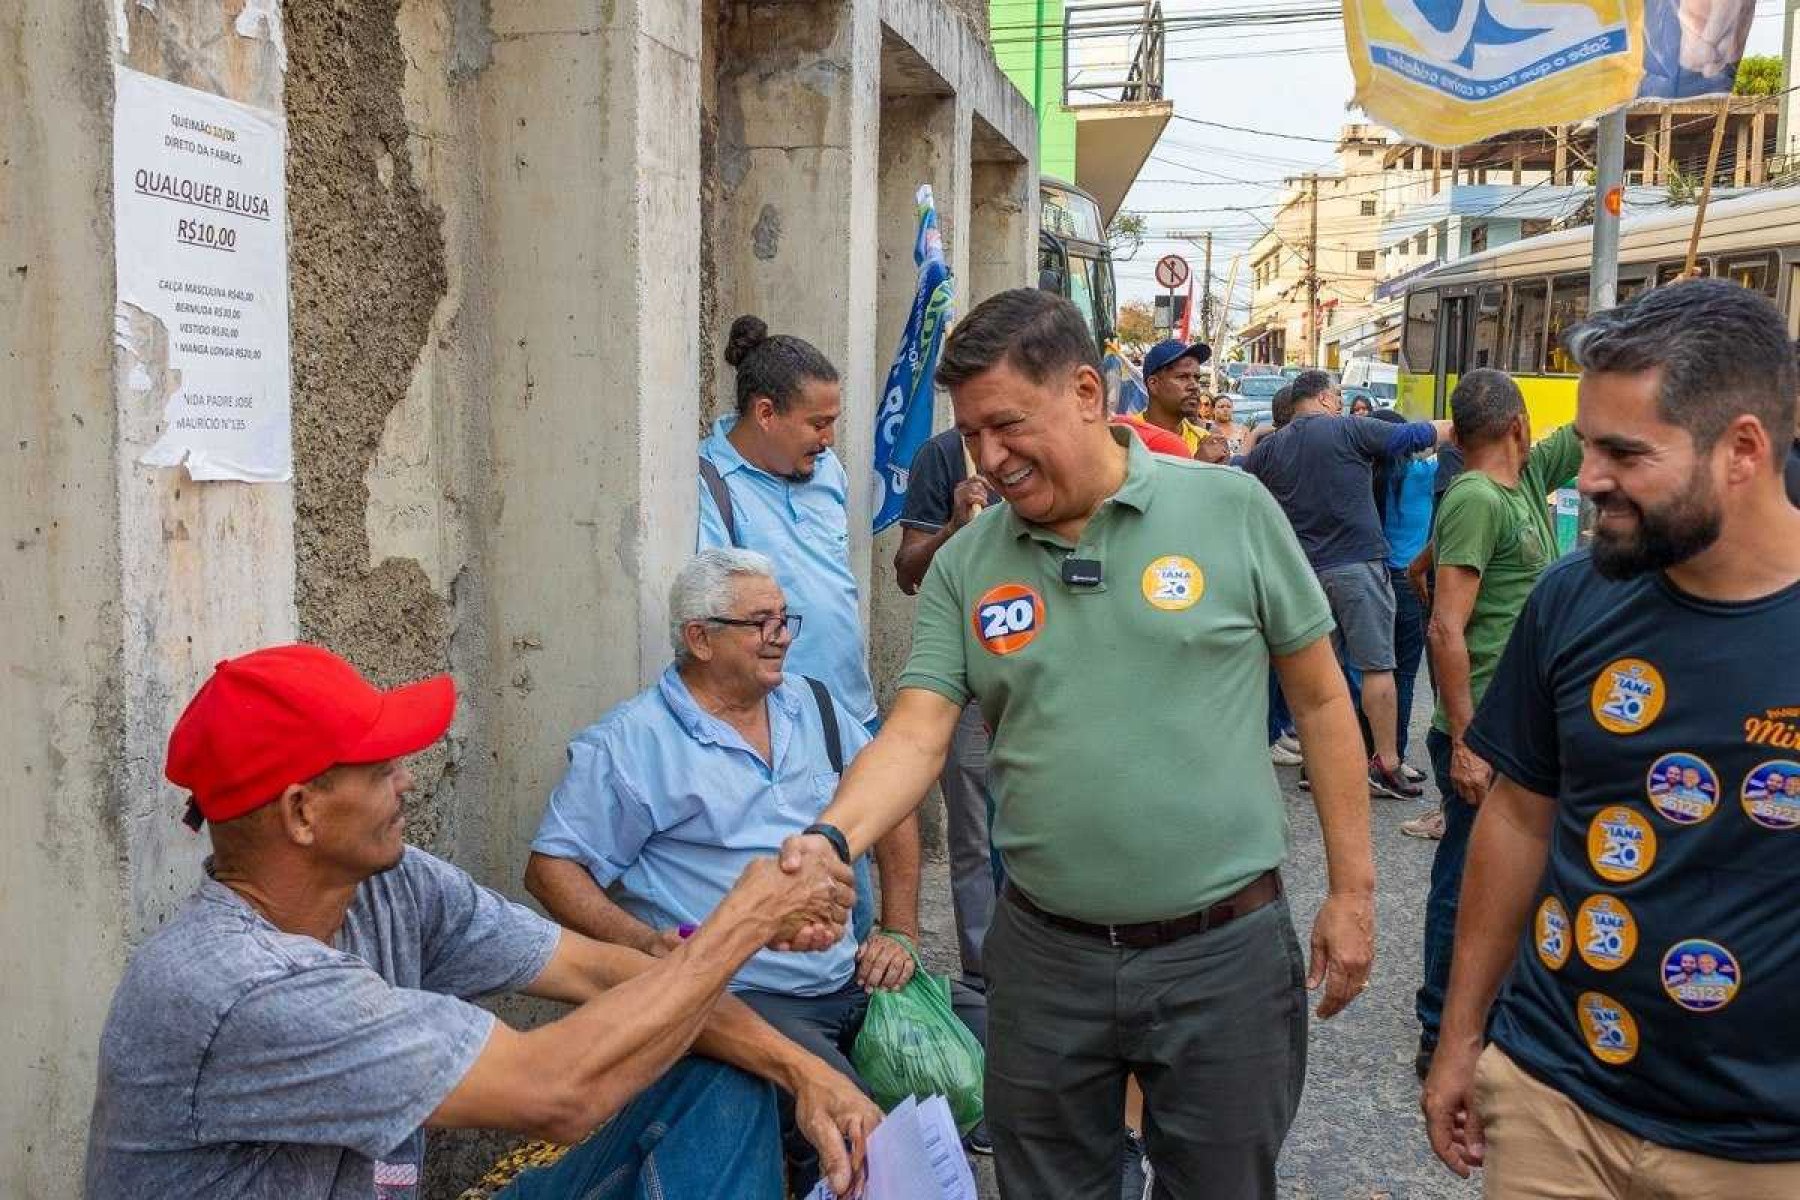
1142 929
1493 538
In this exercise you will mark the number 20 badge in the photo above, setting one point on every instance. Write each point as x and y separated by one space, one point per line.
1007 618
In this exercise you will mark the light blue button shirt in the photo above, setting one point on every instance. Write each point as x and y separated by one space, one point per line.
804 528
672 804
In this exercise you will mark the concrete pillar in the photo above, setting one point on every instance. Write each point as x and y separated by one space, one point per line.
798 92
589 146
124 583
1002 230
1740 159
1758 131
1649 171
1665 146
1559 171
920 143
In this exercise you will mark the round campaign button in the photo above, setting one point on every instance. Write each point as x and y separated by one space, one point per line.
1621 844
1610 1031
1701 976
1605 933
1628 696
1683 787
1771 794
1173 583
1007 618
1551 933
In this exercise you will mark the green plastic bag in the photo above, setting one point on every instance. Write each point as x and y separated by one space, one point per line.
911 1044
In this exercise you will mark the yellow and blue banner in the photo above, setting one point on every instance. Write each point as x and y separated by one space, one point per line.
903 423
1451 72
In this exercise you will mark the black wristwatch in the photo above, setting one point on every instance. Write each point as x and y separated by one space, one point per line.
835 836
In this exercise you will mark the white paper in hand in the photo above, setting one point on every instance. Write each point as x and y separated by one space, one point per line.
915 1154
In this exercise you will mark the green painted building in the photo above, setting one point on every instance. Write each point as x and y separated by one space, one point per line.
1107 61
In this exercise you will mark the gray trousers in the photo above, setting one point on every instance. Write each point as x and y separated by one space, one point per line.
1213 1026
964 783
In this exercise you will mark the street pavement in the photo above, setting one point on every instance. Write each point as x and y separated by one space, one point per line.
1358 1135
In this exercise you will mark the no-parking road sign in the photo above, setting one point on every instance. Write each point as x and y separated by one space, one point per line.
1171 271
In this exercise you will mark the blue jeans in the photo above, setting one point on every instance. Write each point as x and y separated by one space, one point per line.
1440 901
704 1131
1409 648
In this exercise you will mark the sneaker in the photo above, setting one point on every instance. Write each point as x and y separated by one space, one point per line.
1430 826
1383 782
1281 756
978 1141
1289 742
1136 1178
1411 773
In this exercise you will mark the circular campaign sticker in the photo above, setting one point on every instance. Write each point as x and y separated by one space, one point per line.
1610 1031
1621 844
1699 975
1605 933
1683 787
1771 794
1007 618
1173 583
1552 933
1628 696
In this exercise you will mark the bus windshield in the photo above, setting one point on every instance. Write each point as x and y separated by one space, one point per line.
1070 214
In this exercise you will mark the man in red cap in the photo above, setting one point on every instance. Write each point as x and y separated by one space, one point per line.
295 1026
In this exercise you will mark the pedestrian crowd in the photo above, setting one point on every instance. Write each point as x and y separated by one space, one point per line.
1123 625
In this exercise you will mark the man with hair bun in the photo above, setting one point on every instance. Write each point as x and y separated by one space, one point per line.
769 482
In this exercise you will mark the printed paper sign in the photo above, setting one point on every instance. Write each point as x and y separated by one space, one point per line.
200 222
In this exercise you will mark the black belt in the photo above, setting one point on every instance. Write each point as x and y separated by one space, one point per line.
1265 889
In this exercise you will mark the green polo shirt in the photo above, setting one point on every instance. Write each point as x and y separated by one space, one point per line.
1130 761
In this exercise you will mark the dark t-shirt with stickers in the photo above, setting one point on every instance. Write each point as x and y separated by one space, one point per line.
1655 984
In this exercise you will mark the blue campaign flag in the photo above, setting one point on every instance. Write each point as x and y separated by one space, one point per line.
903 423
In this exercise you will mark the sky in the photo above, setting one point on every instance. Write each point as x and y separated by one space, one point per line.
1290 80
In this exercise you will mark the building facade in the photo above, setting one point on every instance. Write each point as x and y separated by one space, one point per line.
1313 270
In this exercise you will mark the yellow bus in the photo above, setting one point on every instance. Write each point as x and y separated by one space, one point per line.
1508 307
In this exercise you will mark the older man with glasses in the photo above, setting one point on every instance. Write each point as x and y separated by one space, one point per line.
669 796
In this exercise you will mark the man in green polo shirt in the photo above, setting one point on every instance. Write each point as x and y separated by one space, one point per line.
1143 929
1493 538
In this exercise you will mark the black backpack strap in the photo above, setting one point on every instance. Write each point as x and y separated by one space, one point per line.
834 740
721 496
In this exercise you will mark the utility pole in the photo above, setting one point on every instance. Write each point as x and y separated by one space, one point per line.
1206 287
1312 270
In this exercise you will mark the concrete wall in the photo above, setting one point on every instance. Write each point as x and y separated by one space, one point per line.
126 583
507 224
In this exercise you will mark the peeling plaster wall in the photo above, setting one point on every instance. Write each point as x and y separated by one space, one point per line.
367 277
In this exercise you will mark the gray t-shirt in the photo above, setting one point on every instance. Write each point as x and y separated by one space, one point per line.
240 1061
1320 468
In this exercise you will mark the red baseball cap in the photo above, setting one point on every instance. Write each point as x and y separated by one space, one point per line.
282 715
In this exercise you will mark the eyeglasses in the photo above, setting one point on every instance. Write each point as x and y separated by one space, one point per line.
769 627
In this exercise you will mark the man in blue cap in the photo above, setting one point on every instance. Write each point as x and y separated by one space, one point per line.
1172 376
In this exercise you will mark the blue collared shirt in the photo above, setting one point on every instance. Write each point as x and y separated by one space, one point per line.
805 529
670 803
